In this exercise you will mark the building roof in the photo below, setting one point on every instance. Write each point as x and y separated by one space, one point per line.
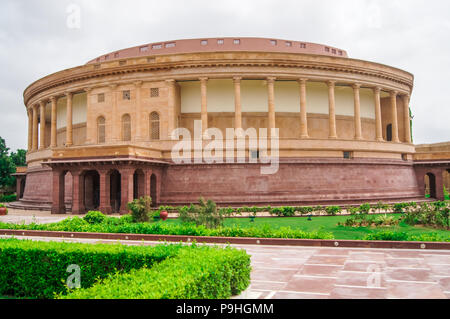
221 45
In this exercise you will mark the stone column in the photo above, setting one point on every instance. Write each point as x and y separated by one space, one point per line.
332 110
357 113
58 206
116 125
35 129
271 103
378 123
30 128
126 175
407 119
42 105
303 110
78 206
53 132
69 125
172 114
147 176
395 138
237 103
105 192
204 89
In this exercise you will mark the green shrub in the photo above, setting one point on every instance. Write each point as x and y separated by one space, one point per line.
195 273
94 217
39 269
285 211
205 213
364 208
432 237
333 210
8 198
140 209
387 235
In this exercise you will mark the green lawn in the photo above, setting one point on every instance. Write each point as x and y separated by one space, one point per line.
328 224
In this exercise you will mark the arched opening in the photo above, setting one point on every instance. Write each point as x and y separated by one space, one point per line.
138 184
430 185
115 191
92 190
126 128
154 126
389 133
101 130
153 190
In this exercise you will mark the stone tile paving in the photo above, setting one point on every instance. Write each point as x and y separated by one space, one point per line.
318 273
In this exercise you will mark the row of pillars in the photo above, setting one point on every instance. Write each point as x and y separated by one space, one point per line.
37 129
105 205
332 109
34 111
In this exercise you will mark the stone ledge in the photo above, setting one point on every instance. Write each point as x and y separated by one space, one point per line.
237 240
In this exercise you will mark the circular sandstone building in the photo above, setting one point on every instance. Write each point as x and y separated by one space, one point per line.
337 130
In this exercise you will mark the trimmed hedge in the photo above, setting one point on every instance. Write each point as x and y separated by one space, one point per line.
39 269
195 273
124 226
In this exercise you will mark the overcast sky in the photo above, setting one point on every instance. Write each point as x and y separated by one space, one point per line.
413 35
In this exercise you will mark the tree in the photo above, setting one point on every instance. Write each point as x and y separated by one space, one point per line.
7 166
19 158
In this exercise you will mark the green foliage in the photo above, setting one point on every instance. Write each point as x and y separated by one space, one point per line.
205 214
19 158
124 226
7 166
94 217
39 269
8 198
388 236
140 209
195 273
285 211
434 214
364 208
333 210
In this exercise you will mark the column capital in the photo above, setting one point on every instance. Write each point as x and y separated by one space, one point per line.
356 86
53 98
237 79
171 82
271 79
88 89
43 102
302 80
393 93
377 89
203 79
68 94
331 83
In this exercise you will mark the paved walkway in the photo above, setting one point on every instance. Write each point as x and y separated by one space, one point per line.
303 272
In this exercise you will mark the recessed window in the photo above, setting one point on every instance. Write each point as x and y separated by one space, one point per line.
116 55
101 125
101 98
254 154
288 44
333 51
126 95
273 42
126 128
157 46
107 57
204 42
327 49
237 41
170 45
122 62
404 157
220 41
154 126
340 52
98 60
348 155
154 92
143 49
303 45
